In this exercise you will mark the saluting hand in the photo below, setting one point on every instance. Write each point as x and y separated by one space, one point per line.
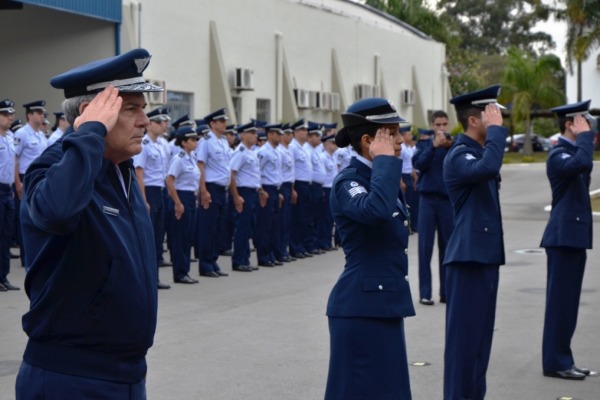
382 144
580 124
491 115
104 108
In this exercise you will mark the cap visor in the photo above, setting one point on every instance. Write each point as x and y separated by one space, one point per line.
139 88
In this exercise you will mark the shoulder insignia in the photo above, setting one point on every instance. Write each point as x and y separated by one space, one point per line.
470 157
242 148
17 141
354 188
565 156
145 141
181 153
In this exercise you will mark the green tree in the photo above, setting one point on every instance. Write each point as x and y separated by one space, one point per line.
583 32
491 27
529 83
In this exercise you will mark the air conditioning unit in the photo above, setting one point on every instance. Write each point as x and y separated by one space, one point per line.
243 79
407 97
156 98
313 99
324 101
335 102
302 98
362 91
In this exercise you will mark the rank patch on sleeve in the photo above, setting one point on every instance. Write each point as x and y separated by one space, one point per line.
355 189
565 155
470 156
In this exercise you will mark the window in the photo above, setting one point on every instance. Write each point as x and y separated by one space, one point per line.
263 110
180 104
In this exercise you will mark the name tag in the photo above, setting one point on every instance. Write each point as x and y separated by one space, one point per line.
110 211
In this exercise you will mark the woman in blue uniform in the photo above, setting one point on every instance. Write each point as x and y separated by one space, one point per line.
183 180
370 300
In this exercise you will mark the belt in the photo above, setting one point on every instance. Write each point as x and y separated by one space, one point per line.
271 187
216 185
5 187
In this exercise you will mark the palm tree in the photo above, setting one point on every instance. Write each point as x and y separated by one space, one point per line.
583 32
530 83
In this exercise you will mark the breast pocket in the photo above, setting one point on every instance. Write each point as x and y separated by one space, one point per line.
379 284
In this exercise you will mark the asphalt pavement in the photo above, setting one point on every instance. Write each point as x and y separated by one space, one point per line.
263 335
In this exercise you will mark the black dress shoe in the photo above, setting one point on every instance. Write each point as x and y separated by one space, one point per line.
13 256
165 264
570 374
297 256
227 253
426 302
163 285
211 274
242 268
267 264
278 263
186 279
253 267
3 288
193 260
221 273
9 286
308 255
443 299
585 371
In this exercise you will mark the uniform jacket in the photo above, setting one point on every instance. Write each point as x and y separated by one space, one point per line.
91 264
429 161
472 176
568 168
373 225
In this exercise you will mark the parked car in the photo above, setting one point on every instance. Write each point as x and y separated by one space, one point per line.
554 139
516 143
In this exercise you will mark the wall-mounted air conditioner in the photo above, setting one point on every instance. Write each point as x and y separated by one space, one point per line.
407 97
302 98
243 79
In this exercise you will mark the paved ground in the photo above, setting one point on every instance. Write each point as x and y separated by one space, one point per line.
263 335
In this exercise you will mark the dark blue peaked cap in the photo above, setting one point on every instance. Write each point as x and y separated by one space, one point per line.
59 114
426 131
479 98
37 105
571 110
216 115
273 127
16 125
156 115
314 127
7 106
258 122
374 110
300 124
202 128
330 126
249 127
186 132
262 135
123 72
183 121
231 129
286 128
406 128
328 138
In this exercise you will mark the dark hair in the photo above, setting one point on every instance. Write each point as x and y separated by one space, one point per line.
180 139
463 115
351 135
438 114
562 122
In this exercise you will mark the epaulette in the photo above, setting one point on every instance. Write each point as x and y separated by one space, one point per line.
181 154
242 148
145 141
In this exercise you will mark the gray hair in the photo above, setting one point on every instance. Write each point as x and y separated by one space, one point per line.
71 106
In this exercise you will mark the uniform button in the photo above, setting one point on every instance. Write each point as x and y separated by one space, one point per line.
577 218
406 278
405 251
380 287
405 223
485 229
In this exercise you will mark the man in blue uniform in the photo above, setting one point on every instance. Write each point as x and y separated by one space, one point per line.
7 178
288 174
435 210
244 188
213 155
566 238
151 172
476 247
91 266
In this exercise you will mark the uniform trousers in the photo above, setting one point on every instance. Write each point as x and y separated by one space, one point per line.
368 360
155 198
242 230
35 383
7 215
208 220
316 202
17 221
181 231
435 214
470 314
412 199
300 218
282 237
565 267
266 218
325 222
167 218
225 242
